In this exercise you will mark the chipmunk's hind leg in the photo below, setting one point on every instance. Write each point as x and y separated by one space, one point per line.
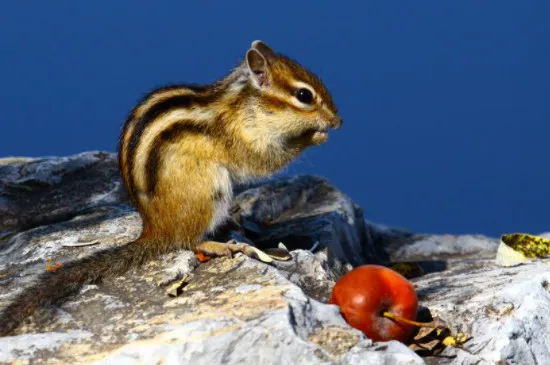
229 248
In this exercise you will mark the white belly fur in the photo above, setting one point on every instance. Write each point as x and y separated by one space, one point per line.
223 186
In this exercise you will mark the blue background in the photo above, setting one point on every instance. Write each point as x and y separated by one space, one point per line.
446 103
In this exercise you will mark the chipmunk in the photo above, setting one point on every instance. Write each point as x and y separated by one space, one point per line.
181 150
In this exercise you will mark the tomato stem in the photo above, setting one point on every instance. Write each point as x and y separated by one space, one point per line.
408 321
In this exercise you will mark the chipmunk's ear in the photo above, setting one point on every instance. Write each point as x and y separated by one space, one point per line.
257 65
263 48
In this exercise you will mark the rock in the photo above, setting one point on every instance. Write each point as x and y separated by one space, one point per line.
240 310
250 314
16 349
401 245
303 212
506 310
36 192
232 310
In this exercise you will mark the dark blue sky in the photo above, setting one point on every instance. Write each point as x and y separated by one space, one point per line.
446 103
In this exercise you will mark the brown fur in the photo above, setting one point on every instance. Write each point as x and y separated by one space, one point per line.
181 150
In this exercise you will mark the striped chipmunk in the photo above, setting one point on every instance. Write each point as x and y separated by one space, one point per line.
181 150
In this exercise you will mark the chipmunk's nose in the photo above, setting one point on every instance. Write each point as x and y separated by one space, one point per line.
337 122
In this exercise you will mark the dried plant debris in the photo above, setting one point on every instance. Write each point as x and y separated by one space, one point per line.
279 253
432 338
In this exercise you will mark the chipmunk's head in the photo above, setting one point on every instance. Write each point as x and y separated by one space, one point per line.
291 105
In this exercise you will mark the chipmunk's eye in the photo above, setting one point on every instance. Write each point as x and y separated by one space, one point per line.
304 95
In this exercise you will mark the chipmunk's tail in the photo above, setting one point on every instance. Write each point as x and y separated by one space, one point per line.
52 287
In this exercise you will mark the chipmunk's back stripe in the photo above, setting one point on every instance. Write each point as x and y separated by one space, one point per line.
121 151
156 111
123 156
169 135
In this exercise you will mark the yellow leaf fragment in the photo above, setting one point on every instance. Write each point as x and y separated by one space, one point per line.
518 248
529 245
456 340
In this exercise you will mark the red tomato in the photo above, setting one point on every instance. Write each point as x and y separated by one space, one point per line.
366 292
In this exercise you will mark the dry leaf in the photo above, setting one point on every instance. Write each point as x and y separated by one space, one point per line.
518 248
431 341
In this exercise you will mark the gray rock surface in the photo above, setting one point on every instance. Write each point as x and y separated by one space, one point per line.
506 310
240 310
39 191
